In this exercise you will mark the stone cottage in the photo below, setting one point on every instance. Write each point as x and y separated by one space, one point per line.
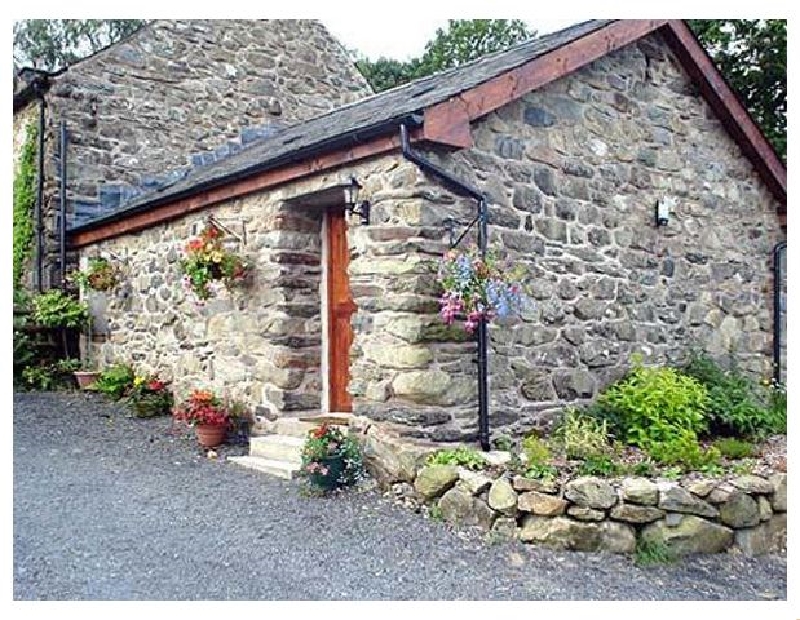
615 164
174 96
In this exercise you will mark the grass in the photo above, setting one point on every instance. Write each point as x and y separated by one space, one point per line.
653 552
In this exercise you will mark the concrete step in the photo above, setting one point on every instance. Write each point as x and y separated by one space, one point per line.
279 469
277 447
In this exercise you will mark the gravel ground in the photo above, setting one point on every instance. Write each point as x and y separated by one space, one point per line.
110 507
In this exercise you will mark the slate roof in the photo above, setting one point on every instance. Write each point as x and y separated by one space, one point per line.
354 121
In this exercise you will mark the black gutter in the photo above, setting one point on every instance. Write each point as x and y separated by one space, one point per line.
777 279
37 215
348 139
464 189
62 232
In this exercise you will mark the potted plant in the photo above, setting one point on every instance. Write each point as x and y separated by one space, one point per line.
207 414
476 288
100 275
150 396
330 459
87 376
208 261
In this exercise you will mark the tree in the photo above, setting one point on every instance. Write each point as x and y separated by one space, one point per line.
751 54
50 44
462 41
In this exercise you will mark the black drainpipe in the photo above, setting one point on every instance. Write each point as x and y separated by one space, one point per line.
62 233
37 216
777 279
461 187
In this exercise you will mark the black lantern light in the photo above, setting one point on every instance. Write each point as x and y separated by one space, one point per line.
351 202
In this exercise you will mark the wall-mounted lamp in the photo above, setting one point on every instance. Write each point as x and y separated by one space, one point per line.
351 200
663 208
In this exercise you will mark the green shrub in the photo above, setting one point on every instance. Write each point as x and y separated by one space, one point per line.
115 381
684 451
541 472
737 406
582 436
56 309
465 457
735 448
24 353
54 376
24 199
535 450
601 465
657 405
653 551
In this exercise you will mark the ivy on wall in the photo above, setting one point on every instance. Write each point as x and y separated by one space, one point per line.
24 199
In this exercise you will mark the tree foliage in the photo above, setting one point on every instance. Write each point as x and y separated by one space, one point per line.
751 54
24 199
54 43
462 41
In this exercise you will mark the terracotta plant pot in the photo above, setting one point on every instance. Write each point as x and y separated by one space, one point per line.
210 436
86 378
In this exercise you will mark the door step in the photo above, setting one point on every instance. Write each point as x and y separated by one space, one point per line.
277 447
279 469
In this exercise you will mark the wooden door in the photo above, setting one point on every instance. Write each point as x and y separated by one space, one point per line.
340 308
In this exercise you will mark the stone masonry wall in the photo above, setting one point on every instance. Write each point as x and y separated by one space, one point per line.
176 91
574 172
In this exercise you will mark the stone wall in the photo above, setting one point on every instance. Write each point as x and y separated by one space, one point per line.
176 92
574 172
693 515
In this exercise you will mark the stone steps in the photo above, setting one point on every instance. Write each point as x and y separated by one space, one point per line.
279 469
277 447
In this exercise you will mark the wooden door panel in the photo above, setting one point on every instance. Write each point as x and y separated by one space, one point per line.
340 308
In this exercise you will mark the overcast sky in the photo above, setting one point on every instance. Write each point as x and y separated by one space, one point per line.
408 34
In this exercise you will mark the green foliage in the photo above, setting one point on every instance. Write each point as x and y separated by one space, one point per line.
743 467
53 43
582 436
56 309
56 375
461 41
24 353
115 381
465 457
735 448
736 405
100 275
331 459
541 472
751 54
671 473
24 199
650 552
599 465
435 513
535 450
661 411
504 443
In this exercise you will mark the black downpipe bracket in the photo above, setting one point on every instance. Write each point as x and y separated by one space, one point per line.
464 189
62 229
777 336
37 216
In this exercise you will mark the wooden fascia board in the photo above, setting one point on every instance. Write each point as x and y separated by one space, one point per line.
134 222
727 106
511 85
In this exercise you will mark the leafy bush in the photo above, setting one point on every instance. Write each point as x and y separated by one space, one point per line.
541 472
598 465
57 375
465 457
582 436
535 450
684 451
736 405
115 381
735 448
56 309
24 353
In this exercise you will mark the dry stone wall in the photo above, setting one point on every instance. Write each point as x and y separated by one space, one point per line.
180 93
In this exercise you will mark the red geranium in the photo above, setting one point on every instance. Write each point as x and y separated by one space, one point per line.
203 408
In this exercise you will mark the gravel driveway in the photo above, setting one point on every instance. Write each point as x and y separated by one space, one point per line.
111 507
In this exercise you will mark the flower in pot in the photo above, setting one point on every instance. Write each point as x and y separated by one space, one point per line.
331 459
207 414
86 376
100 275
150 396
207 261
478 288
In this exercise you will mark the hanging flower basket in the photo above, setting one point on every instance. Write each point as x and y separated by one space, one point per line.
100 275
476 288
207 262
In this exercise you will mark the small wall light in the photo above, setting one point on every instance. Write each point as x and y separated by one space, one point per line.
663 208
351 200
